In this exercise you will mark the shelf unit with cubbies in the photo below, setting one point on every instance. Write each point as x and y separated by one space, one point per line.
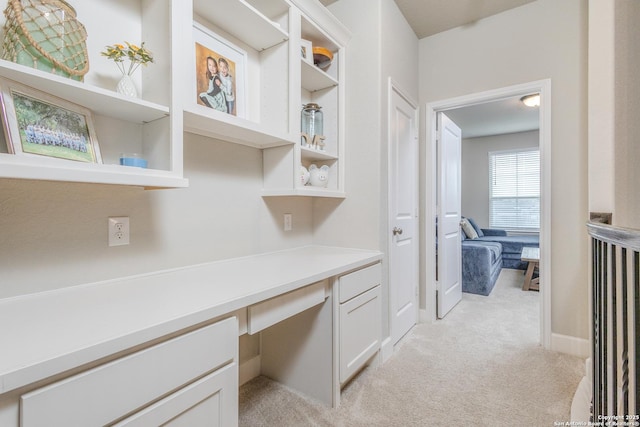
143 125
258 30
308 83
277 82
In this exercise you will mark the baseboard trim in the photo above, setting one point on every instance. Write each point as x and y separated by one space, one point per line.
386 349
570 345
249 370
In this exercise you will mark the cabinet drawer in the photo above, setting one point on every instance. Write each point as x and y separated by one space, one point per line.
210 401
108 392
274 310
360 331
360 281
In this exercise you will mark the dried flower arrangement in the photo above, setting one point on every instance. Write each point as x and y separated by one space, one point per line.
136 56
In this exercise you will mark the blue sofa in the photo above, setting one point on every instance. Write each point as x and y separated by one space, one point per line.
484 257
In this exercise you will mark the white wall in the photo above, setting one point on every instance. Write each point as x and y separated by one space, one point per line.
54 234
382 46
355 220
627 111
475 169
614 91
540 40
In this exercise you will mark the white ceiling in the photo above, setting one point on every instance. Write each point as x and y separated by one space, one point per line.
495 118
428 17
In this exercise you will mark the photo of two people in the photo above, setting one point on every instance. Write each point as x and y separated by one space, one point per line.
215 80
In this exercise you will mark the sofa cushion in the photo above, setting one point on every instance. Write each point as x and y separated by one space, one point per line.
468 229
513 244
494 248
476 227
493 232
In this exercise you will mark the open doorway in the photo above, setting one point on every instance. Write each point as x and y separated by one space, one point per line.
431 178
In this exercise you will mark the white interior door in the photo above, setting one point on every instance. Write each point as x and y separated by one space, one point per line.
449 281
403 196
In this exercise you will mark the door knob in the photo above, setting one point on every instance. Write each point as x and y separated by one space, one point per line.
396 231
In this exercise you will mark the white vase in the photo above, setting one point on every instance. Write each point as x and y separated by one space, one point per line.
127 87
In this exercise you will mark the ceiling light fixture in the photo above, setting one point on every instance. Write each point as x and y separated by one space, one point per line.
532 100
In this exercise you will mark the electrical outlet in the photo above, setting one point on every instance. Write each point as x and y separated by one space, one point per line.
288 222
118 230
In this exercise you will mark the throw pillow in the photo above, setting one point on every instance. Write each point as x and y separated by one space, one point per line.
468 229
476 227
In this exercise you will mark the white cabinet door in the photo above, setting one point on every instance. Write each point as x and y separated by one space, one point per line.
108 392
209 402
360 332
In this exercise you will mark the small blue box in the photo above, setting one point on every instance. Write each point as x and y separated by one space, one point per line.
133 160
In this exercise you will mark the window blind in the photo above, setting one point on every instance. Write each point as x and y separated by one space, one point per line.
514 189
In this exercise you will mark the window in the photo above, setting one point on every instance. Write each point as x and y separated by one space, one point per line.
514 189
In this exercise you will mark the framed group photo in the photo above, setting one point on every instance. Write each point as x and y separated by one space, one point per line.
220 72
36 123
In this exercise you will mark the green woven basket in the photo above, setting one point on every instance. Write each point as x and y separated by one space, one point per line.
45 34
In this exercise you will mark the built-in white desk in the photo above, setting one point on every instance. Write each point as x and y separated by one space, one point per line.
48 335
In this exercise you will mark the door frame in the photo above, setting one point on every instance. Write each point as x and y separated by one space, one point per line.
428 286
394 87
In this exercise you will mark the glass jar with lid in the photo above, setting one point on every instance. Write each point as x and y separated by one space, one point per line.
311 123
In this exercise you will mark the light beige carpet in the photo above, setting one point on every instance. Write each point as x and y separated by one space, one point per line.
480 366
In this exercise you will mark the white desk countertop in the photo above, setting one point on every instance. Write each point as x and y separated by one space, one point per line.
48 333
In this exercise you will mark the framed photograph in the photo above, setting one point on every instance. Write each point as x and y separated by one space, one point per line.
36 123
220 72
306 50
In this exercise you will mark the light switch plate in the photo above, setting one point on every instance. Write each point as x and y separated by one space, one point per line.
288 222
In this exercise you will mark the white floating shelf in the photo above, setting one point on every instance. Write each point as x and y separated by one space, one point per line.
215 124
313 78
271 8
50 169
307 191
98 100
248 23
311 154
